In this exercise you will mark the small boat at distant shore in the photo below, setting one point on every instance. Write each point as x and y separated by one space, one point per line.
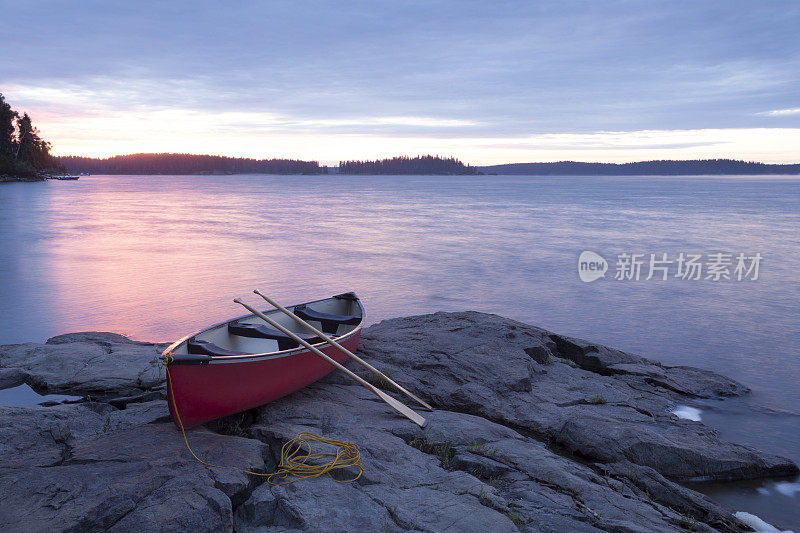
64 177
242 363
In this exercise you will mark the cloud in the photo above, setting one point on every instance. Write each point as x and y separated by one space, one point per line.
390 121
430 71
249 135
782 112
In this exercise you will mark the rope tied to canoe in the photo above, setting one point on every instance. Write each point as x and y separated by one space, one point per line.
295 463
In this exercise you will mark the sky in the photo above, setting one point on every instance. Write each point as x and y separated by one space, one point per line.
487 82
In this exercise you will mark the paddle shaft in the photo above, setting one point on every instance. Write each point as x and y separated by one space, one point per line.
394 404
341 348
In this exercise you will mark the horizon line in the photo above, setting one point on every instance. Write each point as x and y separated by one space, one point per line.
431 155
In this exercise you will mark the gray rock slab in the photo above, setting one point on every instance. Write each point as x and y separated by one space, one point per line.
597 402
89 363
462 473
138 479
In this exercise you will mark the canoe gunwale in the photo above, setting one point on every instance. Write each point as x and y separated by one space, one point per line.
198 359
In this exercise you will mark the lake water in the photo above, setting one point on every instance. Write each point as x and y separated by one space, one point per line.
157 257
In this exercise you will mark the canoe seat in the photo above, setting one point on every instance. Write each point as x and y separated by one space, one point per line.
208 348
261 331
330 323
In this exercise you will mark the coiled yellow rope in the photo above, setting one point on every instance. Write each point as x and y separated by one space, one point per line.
298 461
293 462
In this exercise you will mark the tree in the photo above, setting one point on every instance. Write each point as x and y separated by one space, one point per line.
23 153
30 147
7 126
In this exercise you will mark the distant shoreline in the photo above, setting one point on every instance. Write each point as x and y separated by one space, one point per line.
191 164
696 167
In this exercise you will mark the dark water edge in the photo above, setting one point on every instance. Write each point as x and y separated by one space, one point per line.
744 421
24 396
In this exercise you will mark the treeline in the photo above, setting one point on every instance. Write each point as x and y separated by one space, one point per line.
643 168
186 164
426 164
23 153
34 154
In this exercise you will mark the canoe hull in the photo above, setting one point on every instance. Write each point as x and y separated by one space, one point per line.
199 393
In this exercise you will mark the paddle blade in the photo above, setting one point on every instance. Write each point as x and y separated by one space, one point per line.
400 408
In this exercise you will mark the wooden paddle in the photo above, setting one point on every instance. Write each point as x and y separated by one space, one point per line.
394 404
341 348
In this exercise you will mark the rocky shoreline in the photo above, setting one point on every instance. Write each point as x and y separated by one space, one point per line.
5 178
533 431
42 176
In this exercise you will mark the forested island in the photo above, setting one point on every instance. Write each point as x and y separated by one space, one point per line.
186 164
24 155
643 168
212 164
426 164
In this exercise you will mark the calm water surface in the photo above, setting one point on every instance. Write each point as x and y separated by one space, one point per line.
158 257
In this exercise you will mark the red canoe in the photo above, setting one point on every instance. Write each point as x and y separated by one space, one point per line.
243 363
